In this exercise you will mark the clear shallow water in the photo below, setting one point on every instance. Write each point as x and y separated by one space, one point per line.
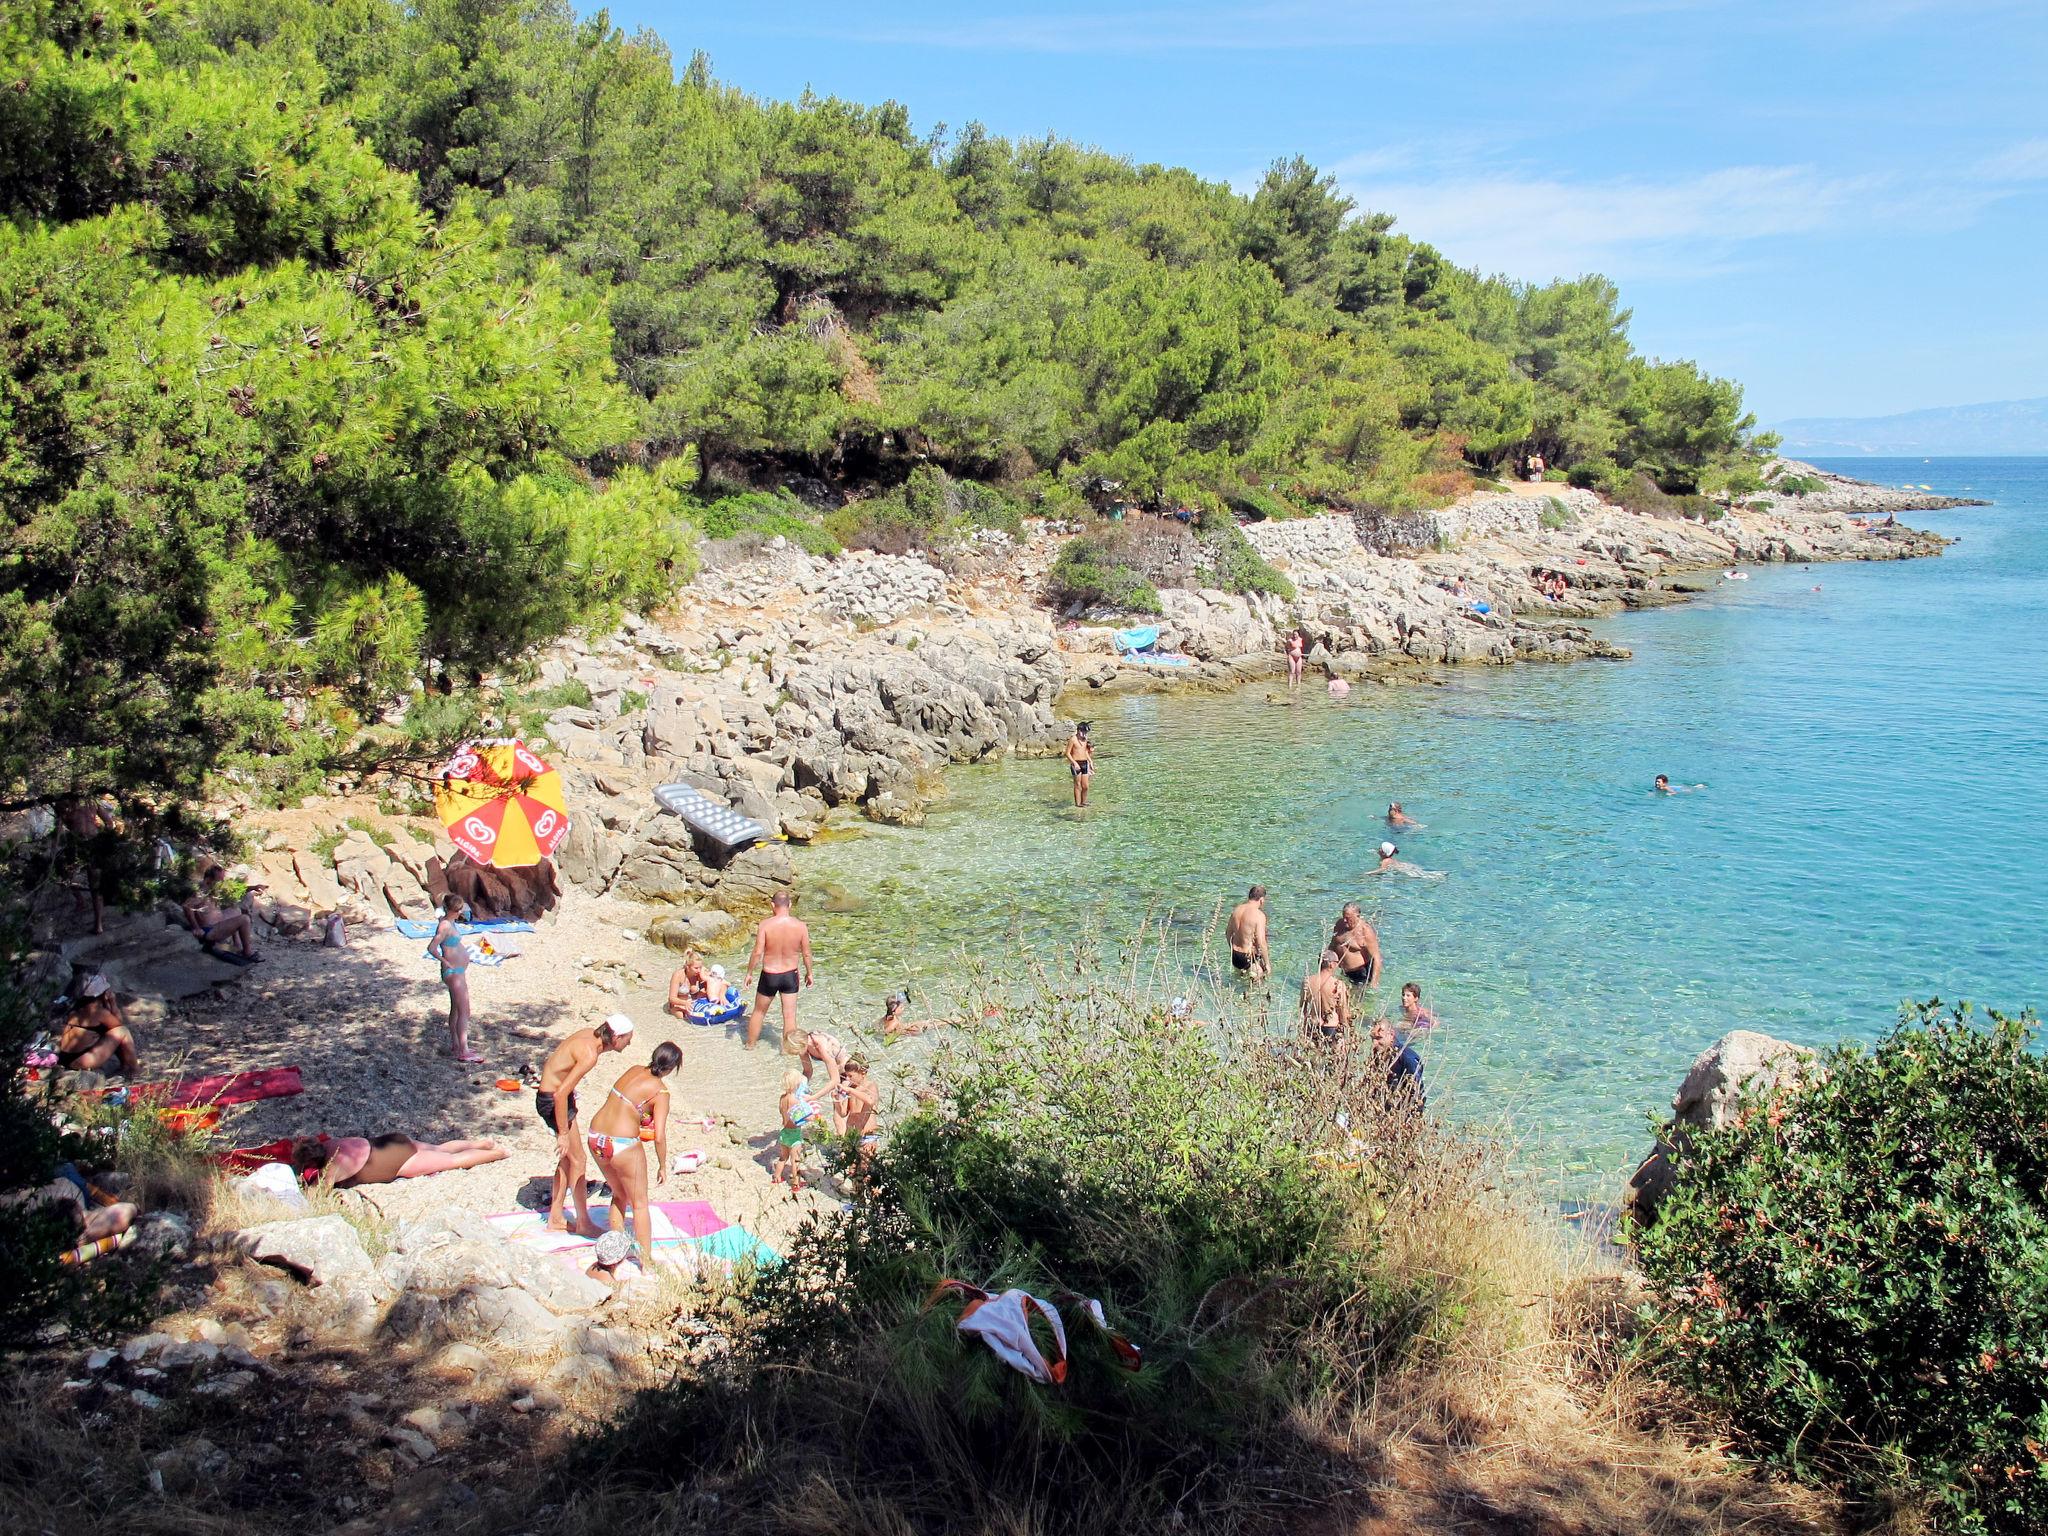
1875 826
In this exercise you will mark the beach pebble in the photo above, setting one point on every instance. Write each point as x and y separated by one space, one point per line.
143 1399
466 1358
227 1384
178 1356
439 1425
412 1445
99 1359
143 1345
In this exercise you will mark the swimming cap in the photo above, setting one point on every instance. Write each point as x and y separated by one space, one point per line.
1388 850
896 1000
619 1024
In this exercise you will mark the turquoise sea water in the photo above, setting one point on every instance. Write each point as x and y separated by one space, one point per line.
1874 827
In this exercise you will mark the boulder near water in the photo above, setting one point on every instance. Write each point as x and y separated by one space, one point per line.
1708 1099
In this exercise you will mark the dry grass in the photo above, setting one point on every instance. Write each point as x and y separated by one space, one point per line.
1477 1383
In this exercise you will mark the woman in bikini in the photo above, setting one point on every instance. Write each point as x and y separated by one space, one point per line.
355 1160
446 946
639 1096
95 1034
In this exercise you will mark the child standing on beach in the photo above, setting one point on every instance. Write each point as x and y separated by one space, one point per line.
797 1109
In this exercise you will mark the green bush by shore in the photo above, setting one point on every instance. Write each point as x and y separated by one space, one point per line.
1856 1270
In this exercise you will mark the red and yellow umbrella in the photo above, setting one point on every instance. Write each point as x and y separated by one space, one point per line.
501 804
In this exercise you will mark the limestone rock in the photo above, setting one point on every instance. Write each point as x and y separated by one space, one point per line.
318 1249
1741 1060
701 931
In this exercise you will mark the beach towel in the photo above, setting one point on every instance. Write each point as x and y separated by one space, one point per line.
1158 659
417 928
249 1159
219 1089
1129 640
690 1230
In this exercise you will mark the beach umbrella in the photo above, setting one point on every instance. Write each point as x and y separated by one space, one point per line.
501 804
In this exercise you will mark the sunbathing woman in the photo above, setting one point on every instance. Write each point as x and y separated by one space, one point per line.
639 1096
95 1032
354 1160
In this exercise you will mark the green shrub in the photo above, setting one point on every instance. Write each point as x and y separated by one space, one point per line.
1239 567
632 701
1857 1269
1088 570
1554 515
1556 476
377 834
1271 505
324 843
1082 1143
765 514
1798 485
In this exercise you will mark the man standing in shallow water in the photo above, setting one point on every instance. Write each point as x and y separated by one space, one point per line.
1247 936
1357 946
1081 762
782 956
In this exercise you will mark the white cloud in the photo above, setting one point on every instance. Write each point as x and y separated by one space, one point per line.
1536 228
2027 161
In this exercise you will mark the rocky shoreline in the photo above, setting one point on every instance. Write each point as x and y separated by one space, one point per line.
790 686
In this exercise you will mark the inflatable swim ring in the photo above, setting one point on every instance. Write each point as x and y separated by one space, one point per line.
705 1011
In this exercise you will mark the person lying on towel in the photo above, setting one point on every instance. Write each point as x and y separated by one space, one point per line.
352 1160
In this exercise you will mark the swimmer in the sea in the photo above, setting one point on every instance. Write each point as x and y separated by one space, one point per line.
1664 786
1398 818
1390 865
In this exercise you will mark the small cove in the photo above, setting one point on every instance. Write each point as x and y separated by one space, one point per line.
1872 829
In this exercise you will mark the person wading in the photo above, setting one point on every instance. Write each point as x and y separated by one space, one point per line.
1247 936
782 959
1081 762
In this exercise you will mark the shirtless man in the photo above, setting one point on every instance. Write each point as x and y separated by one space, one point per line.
1247 936
1081 762
215 924
1326 1006
782 957
1356 945
1398 818
688 984
555 1103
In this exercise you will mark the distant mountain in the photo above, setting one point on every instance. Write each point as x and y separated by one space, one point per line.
2000 427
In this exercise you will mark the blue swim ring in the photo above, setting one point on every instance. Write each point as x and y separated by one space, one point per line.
704 1011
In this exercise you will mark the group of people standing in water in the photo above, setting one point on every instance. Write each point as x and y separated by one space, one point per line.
1351 963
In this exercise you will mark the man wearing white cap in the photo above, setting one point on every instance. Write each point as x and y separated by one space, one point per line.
1387 852
555 1103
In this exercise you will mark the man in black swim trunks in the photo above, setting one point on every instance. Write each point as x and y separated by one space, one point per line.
782 955
1081 762
555 1103
1247 936
1357 946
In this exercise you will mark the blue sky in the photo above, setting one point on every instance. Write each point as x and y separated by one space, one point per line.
1841 203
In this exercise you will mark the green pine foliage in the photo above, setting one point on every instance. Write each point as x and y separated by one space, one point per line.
1855 1268
355 345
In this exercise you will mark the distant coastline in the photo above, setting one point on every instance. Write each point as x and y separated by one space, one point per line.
1994 429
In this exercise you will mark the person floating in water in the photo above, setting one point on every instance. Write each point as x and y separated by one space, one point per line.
1390 865
1081 763
1247 936
1339 689
1398 818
